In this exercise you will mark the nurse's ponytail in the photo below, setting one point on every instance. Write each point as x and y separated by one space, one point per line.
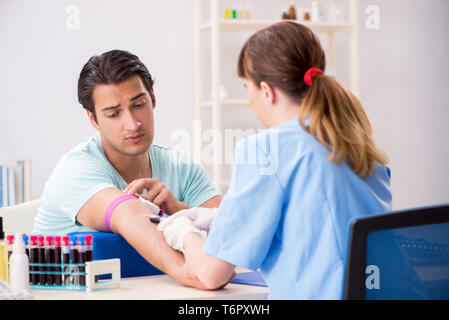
337 119
283 55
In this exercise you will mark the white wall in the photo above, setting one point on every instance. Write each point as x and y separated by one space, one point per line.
40 61
404 79
405 90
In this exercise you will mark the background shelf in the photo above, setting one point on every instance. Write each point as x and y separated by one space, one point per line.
218 30
232 103
254 25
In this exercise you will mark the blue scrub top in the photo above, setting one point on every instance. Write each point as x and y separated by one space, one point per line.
287 212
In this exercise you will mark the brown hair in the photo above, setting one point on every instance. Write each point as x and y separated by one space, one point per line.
112 67
280 55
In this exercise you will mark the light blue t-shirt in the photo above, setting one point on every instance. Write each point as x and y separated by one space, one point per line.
287 212
85 171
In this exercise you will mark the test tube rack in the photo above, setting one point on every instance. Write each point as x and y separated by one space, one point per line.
77 276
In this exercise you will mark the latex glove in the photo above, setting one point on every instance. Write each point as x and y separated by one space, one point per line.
202 217
175 229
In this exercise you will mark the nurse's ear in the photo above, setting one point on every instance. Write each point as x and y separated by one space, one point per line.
268 92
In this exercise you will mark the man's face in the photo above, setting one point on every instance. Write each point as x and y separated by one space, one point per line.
124 116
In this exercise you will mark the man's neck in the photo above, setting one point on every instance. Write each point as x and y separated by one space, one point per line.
130 168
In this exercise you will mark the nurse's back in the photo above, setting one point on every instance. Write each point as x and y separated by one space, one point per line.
291 221
320 198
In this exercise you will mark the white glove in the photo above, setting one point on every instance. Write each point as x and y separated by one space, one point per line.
175 228
202 218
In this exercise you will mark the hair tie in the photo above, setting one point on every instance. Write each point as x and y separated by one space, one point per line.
308 76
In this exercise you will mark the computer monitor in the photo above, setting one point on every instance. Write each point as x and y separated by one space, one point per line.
401 255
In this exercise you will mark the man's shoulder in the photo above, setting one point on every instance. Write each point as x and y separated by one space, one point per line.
84 157
83 166
89 149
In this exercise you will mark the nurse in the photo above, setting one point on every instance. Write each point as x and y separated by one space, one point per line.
316 167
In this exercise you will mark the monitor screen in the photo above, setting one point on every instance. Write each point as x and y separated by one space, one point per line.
408 263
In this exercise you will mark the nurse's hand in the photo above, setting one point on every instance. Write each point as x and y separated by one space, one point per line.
175 228
202 218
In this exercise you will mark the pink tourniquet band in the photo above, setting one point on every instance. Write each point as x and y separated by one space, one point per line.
115 203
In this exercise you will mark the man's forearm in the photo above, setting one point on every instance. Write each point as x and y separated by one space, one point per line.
150 243
143 236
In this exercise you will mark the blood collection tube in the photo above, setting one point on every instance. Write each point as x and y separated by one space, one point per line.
58 260
9 242
41 261
34 259
49 259
90 250
75 260
27 249
80 241
66 258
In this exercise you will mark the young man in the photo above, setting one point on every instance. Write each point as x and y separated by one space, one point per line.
116 89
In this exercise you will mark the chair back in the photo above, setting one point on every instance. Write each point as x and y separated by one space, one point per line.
20 218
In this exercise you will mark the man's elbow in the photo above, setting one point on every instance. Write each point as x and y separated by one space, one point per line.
213 284
213 279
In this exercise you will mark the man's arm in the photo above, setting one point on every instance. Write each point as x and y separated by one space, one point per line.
142 235
212 202
159 194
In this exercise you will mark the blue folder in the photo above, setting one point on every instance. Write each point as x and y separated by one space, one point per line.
253 278
111 246
132 264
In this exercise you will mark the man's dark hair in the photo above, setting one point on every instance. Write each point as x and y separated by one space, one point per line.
112 67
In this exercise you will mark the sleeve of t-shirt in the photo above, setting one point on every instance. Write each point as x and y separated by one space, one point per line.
197 187
76 179
249 213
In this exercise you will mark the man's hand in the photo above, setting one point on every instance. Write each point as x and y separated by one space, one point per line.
157 193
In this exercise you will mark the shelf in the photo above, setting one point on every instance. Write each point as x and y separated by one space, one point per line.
228 103
253 25
215 26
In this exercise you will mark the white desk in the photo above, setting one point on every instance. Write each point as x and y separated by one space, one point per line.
160 287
